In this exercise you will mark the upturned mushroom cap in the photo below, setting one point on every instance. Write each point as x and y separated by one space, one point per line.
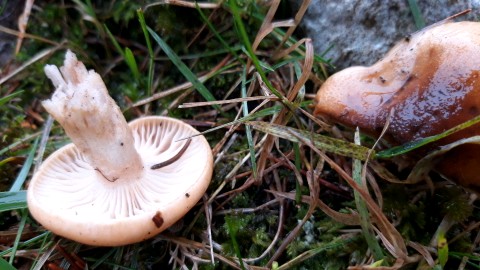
72 196
429 82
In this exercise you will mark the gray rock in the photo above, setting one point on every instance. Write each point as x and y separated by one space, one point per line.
361 32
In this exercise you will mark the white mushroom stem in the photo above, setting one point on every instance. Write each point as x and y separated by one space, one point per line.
92 119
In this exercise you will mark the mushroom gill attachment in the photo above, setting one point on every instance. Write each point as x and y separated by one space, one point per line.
426 84
73 194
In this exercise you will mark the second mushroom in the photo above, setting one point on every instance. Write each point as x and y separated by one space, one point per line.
117 183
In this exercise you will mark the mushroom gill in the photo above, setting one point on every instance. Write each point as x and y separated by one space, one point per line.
429 82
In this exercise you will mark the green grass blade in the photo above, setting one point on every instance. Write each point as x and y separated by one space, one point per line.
127 55
13 200
183 68
324 143
248 130
365 221
442 248
151 55
232 228
22 176
4 265
217 35
5 99
132 64
334 244
143 24
114 41
417 15
21 226
405 148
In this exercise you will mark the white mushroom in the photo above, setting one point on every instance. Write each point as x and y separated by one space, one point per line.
117 183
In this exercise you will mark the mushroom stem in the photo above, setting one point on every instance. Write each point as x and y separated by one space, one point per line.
92 119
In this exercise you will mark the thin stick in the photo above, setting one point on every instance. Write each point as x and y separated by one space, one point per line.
174 158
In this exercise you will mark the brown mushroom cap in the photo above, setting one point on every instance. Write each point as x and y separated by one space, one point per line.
430 82
70 198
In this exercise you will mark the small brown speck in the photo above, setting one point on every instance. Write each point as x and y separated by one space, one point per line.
187 195
157 219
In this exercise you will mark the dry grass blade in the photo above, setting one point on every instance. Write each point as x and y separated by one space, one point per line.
423 251
180 3
219 102
32 60
266 24
306 70
22 24
298 17
325 143
268 28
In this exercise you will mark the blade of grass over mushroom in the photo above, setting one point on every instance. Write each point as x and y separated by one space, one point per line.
183 68
325 143
365 221
22 176
13 200
405 148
